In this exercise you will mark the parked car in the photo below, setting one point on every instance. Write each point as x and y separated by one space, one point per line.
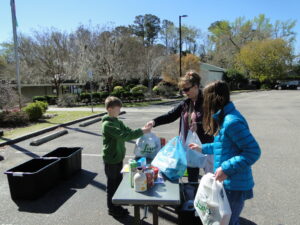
288 85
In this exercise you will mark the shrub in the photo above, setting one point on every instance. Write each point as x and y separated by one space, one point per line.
34 111
165 90
119 88
44 105
139 89
39 98
51 99
13 119
67 100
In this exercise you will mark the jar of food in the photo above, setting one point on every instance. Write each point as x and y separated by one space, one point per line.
140 180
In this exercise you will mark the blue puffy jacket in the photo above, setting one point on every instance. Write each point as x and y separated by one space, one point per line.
234 149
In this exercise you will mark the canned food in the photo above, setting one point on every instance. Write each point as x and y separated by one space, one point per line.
155 172
162 142
150 178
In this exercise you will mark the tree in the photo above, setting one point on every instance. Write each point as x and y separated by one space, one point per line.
228 38
265 60
170 67
147 28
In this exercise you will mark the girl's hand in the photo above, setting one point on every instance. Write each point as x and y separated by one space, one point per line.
196 147
220 175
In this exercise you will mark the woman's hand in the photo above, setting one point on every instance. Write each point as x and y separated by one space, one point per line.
196 147
220 175
150 123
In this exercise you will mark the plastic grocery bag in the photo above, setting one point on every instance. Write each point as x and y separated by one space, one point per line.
211 202
194 158
147 146
171 159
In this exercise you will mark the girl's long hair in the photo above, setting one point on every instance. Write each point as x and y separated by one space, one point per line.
216 96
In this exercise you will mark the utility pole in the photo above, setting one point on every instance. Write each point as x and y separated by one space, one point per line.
14 25
180 73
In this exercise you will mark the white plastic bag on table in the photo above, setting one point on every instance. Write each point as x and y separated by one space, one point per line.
171 159
211 202
194 158
147 146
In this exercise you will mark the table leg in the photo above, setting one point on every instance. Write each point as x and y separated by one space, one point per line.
137 220
155 214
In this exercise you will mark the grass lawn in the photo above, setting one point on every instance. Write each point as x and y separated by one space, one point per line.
61 117
133 104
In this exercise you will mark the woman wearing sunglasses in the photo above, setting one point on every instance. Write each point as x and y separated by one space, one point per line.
190 113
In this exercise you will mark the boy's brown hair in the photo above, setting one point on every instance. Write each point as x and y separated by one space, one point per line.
112 101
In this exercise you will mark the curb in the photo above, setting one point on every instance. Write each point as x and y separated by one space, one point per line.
48 138
36 133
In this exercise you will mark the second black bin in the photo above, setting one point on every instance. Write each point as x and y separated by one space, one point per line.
70 160
33 178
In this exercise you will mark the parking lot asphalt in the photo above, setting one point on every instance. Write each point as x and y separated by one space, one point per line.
273 117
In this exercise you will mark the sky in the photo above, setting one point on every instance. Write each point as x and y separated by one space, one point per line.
67 15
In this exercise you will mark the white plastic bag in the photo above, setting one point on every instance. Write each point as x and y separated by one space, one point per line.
211 202
209 165
194 158
147 146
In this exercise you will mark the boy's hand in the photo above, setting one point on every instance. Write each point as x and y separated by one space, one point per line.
196 147
220 175
150 123
146 129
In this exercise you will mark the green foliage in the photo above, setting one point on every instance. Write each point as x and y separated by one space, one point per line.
13 119
139 89
235 79
34 111
43 105
265 60
118 88
39 98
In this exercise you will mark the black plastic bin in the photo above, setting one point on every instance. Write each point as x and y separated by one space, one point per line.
70 160
33 178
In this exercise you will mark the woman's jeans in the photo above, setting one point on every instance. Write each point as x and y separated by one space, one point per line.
236 201
114 178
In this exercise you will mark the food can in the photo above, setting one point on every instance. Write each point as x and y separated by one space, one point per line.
155 172
162 142
150 177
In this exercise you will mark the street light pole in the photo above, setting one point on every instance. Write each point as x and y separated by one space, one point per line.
180 44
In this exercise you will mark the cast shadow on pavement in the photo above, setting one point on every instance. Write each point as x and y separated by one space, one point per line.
82 131
58 195
244 221
25 151
129 220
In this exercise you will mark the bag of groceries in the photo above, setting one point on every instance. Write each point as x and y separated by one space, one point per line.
147 146
211 202
171 159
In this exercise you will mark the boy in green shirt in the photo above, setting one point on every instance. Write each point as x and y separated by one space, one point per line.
115 134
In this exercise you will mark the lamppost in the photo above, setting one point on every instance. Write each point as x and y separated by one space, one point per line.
180 43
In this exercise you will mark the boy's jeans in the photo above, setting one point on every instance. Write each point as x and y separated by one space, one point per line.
114 178
236 200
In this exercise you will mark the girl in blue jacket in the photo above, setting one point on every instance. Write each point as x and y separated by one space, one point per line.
234 148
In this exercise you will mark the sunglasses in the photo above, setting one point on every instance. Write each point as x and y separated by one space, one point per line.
187 89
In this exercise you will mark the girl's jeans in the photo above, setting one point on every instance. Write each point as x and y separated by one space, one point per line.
236 200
